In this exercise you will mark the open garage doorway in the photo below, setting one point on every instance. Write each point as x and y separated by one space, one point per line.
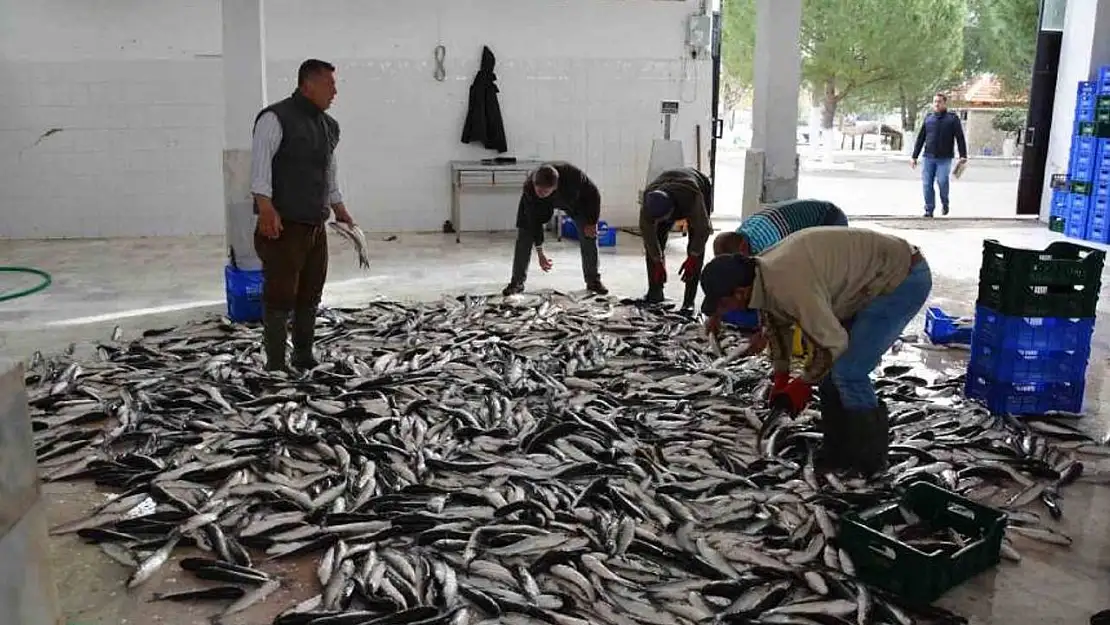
859 118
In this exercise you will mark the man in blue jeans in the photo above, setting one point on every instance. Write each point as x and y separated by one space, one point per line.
939 135
851 291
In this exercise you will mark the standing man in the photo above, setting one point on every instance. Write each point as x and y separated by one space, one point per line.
293 180
775 222
940 133
852 291
683 193
550 186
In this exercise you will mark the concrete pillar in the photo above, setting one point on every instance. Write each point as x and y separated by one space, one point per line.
27 592
1085 47
778 72
244 62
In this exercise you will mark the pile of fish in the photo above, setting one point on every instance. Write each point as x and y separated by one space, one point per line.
504 460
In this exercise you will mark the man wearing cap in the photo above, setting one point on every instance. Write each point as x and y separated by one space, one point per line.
823 279
683 193
775 222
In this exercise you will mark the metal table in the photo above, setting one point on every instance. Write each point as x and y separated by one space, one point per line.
488 175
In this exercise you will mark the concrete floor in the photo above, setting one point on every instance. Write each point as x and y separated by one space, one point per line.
147 283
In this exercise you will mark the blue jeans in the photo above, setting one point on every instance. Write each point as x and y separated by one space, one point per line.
935 170
873 330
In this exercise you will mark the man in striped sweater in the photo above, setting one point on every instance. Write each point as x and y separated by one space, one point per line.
774 223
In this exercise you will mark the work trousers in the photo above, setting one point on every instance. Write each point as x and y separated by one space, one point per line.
873 330
935 170
294 266
690 292
522 255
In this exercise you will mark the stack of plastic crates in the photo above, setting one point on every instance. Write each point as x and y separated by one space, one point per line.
1033 324
1084 213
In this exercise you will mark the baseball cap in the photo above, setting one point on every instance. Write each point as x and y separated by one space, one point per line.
657 204
723 275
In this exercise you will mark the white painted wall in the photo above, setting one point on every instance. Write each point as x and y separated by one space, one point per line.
136 89
1085 47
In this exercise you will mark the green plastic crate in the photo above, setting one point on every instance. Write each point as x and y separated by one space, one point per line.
1060 264
1056 224
919 577
1082 188
1094 129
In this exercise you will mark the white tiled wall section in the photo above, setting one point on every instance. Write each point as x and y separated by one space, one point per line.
137 104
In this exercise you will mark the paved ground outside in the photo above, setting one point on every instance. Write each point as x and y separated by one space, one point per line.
880 184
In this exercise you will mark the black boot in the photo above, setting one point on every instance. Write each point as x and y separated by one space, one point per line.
274 336
513 288
873 440
835 431
595 286
304 334
654 294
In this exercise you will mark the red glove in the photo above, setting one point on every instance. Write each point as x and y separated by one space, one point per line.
658 272
686 271
794 396
780 381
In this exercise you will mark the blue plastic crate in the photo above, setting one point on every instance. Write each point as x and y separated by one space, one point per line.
1085 113
569 230
1025 398
1082 169
747 319
1035 333
606 236
1077 216
1103 76
1060 204
1028 365
1085 93
1084 145
244 294
942 328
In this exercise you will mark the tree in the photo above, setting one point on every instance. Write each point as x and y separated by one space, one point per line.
1001 38
737 50
868 46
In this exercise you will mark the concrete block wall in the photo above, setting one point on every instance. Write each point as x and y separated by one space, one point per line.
134 92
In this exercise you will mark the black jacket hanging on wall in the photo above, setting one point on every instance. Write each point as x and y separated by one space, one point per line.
483 118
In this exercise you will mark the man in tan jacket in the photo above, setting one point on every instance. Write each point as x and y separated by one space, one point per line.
824 279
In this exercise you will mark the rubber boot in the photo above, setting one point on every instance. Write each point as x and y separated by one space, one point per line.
873 440
274 336
513 288
596 287
835 431
304 334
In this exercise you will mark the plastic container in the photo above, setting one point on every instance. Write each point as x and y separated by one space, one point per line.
1098 223
1061 280
1057 223
943 329
244 294
1025 398
606 236
1060 201
1022 365
912 574
1031 333
745 319
568 230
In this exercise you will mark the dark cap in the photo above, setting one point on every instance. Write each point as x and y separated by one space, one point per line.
723 275
658 204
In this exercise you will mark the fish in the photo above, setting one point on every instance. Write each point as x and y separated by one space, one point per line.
355 237
526 459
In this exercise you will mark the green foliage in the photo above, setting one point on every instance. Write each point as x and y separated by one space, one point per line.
1000 38
737 49
1009 120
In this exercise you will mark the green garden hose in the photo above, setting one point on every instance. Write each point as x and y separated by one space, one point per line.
46 280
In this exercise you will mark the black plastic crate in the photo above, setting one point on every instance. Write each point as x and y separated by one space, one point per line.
917 576
1060 264
1061 280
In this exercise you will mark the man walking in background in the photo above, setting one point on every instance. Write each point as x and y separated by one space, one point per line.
564 186
940 133
293 180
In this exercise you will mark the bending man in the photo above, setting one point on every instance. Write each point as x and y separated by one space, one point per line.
564 186
293 180
852 291
774 223
683 193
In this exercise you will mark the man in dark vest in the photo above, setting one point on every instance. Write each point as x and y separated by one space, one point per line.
683 193
556 185
293 180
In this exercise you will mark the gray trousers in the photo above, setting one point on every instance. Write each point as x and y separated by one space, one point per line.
522 255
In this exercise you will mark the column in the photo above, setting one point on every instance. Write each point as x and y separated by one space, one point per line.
244 62
773 159
1085 47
